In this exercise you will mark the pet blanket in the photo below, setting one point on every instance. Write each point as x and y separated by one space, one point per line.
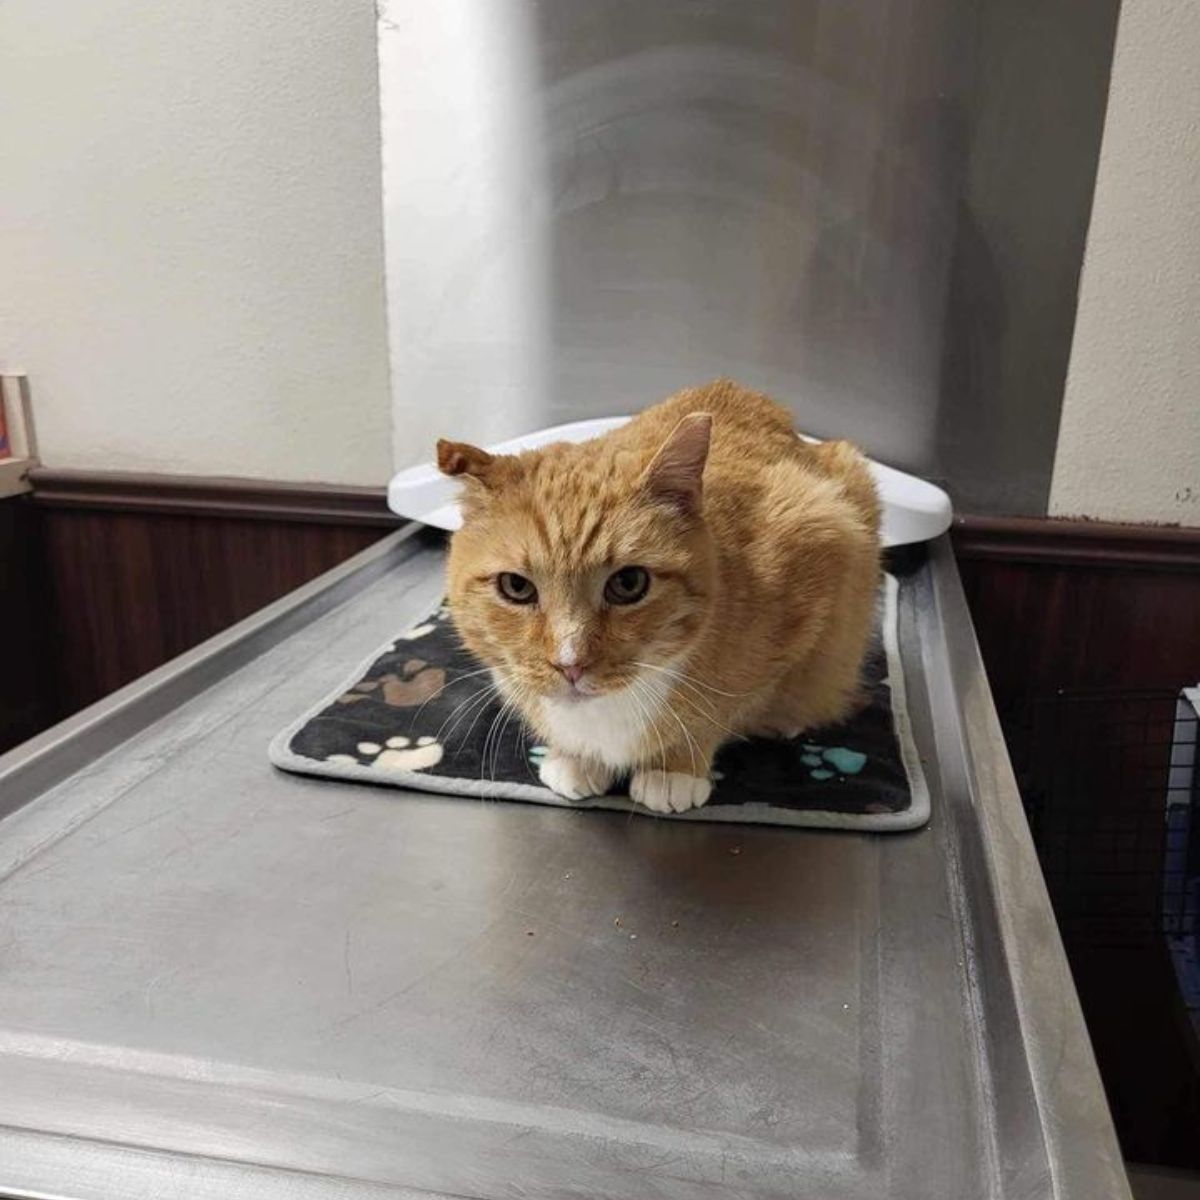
420 715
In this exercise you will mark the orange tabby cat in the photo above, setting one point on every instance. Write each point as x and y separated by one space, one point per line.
697 575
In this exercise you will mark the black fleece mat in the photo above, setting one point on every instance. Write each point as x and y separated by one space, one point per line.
417 716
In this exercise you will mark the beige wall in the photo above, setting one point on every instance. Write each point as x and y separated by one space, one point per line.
1129 444
190 245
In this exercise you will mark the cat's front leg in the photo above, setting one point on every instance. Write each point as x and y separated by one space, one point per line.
575 778
674 787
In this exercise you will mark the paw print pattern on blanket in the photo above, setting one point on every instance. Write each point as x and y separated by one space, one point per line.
416 683
831 762
396 754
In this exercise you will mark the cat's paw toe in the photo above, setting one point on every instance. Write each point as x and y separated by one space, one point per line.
669 791
574 778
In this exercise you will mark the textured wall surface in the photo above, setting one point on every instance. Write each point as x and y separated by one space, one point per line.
190 235
1129 443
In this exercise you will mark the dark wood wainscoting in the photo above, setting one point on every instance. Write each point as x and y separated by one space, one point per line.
119 573
1081 604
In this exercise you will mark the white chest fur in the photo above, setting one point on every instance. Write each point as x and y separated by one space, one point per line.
609 728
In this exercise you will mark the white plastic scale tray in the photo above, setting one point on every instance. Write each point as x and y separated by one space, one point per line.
913 510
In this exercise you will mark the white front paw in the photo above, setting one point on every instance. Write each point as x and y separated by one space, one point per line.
574 778
669 791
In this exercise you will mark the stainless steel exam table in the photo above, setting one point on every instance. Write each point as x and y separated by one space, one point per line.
220 981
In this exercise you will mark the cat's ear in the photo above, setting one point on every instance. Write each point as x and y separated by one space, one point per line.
676 471
460 458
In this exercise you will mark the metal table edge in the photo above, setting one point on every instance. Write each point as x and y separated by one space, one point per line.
1080 1140
38 764
92 1167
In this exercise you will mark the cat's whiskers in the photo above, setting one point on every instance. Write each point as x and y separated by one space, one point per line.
698 696
477 702
704 715
471 699
692 744
506 712
662 745
496 691
708 713
648 715
677 683
514 695
448 683
513 711
694 680
487 741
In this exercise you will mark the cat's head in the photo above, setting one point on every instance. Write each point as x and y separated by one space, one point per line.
579 568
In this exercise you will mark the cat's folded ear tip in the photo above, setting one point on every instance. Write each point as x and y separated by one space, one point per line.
459 458
449 460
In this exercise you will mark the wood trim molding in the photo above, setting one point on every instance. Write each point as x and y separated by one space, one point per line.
1005 539
1063 542
189 495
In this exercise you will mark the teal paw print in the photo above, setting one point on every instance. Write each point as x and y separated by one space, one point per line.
831 762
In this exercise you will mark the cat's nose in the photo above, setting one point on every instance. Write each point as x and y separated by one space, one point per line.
571 672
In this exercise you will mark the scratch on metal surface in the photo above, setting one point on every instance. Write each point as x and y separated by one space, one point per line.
341 812
411 984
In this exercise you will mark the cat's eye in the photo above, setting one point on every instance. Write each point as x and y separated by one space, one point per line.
516 589
627 586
